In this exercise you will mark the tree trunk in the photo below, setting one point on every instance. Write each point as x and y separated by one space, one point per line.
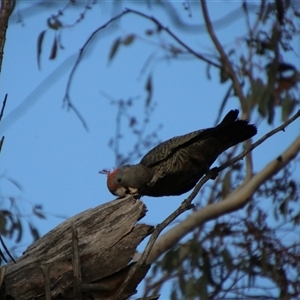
85 257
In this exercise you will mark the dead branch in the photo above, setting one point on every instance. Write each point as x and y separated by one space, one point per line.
88 255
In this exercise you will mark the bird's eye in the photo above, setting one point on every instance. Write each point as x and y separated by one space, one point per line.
119 180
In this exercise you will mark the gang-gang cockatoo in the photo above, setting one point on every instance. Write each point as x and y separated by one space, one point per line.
176 165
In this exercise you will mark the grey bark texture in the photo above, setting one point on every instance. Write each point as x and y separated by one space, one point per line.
86 257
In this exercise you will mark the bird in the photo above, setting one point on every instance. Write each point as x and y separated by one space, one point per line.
175 166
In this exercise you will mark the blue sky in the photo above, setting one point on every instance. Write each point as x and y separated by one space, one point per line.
46 149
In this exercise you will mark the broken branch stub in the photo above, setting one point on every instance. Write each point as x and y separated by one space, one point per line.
107 237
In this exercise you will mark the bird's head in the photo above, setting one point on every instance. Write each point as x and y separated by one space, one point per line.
118 182
128 180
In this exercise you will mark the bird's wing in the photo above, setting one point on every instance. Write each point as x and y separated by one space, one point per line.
169 147
164 150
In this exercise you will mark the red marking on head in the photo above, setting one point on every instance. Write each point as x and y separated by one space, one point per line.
112 186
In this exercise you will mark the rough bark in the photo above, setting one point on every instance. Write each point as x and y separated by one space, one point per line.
6 8
92 249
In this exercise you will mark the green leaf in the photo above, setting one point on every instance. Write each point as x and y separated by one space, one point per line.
174 295
149 32
53 49
1 142
148 88
223 75
208 71
15 183
207 267
287 106
114 48
190 289
182 284
227 259
266 105
39 47
37 212
54 23
35 234
264 262
128 39
202 286
18 227
170 260
257 92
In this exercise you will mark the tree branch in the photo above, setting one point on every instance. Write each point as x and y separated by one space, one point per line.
4 16
67 99
175 37
150 254
260 141
227 65
234 201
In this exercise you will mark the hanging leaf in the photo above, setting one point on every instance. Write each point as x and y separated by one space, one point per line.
202 286
37 212
223 75
149 32
257 92
266 103
208 71
53 49
288 105
39 47
170 260
35 234
1 143
18 227
207 267
149 90
227 259
54 23
128 39
114 48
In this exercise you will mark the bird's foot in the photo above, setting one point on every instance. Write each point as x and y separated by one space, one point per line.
188 205
214 172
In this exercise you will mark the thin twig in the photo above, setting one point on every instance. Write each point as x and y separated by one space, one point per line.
260 141
187 203
227 65
76 111
3 107
223 103
174 36
67 99
6 250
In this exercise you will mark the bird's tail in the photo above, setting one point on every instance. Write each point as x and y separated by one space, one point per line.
234 130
